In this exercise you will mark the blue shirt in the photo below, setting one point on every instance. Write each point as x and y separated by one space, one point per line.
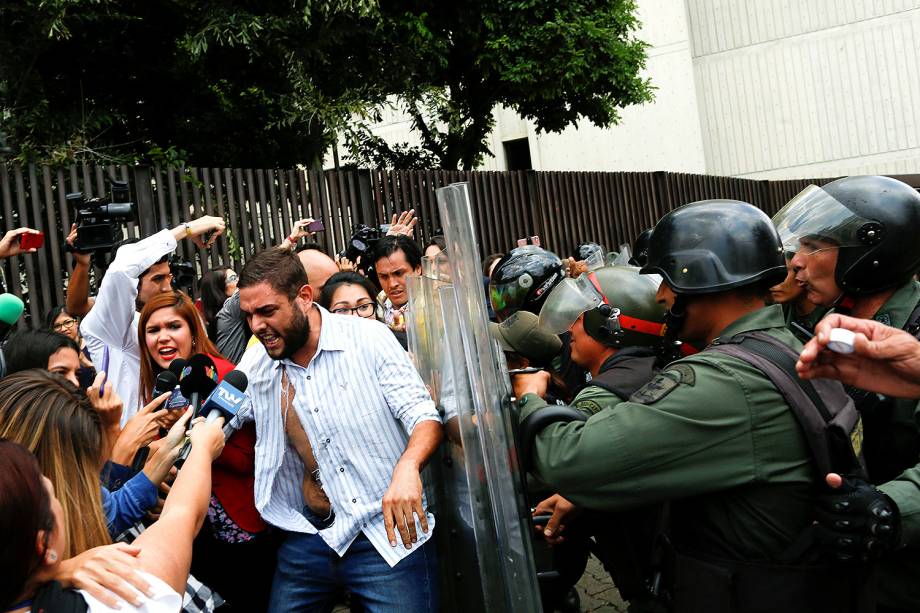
358 400
127 505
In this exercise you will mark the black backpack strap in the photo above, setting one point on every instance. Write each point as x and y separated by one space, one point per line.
824 411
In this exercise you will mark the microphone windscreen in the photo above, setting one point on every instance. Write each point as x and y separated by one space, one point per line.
199 375
166 382
176 366
237 379
11 308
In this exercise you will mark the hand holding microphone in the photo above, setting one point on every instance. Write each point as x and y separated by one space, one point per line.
224 401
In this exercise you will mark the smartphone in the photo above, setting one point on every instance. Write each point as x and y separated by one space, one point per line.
105 369
30 240
316 226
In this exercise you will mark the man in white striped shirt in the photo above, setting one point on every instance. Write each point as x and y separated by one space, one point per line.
344 426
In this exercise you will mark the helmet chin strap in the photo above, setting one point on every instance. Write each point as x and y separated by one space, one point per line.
844 304
674 319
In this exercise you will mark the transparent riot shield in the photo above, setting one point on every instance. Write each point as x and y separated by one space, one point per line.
483 535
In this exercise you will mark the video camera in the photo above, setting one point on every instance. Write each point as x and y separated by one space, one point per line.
362 241
99 220
183 273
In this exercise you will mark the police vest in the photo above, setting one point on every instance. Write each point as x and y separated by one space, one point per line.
626 371
797 582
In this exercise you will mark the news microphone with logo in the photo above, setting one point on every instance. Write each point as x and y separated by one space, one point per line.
198 379
224 401
227 398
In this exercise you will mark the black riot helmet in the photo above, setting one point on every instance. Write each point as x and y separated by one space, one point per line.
522 280
873 222
714 246
585 251
640 248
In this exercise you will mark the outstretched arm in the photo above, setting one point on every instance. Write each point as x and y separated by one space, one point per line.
166 546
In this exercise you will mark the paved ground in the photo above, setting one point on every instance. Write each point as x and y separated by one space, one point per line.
597 591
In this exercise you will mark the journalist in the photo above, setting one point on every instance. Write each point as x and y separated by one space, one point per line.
139 271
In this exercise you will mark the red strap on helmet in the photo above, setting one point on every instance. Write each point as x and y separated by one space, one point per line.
640 325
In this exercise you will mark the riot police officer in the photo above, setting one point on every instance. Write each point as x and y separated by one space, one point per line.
521 281
856 249
711 433
616 327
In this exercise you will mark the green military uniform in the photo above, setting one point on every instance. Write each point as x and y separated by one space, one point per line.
893 460
710 433
808 321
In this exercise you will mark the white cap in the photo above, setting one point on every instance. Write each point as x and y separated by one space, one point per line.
841 340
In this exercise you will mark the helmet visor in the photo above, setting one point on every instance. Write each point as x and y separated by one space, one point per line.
567 301
814 220
506 298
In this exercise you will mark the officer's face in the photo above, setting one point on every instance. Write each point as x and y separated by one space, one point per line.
789 289
692 329
582 346
814 264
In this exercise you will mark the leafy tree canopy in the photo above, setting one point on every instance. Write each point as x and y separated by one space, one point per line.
450 63
270 83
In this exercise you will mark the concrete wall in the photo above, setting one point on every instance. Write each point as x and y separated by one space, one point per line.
807 89
752 88
663 135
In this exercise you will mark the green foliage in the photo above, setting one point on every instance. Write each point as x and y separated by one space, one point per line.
450 63
230 83
271 83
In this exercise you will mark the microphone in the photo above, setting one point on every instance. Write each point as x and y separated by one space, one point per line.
166 382
198 378
224 401
176 366
11 308
227 397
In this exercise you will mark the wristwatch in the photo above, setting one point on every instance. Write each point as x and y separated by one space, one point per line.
188 228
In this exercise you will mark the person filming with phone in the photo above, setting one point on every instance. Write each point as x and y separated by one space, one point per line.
21 240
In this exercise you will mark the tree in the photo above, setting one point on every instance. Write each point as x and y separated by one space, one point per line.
448 64
205 81
271 83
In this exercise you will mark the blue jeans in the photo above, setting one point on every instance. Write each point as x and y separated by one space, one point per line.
310 573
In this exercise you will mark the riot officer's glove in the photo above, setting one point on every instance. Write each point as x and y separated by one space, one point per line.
856 522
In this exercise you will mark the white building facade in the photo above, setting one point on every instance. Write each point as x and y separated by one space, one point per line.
771 89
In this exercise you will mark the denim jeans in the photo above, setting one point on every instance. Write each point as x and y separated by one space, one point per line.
310 573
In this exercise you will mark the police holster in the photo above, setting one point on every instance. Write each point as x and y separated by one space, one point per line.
725 586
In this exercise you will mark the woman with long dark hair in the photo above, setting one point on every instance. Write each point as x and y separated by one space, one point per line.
215 287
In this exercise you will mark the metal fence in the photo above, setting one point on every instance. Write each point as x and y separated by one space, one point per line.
260 205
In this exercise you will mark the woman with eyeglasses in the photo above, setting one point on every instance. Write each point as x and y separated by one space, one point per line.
349 293
64 323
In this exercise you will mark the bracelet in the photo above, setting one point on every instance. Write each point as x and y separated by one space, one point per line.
188 229
292 240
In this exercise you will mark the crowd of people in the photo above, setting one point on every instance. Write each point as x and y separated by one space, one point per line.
685 408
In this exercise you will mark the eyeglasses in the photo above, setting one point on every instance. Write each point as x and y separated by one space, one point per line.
67 324
362 310
809 250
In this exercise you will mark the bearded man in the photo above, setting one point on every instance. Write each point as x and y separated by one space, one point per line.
344 426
